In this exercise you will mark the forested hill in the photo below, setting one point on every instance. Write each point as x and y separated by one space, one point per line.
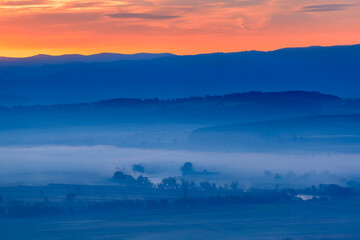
220 109
333 70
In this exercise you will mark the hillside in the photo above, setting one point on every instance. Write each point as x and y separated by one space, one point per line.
220 109
312 133
332 70
167 123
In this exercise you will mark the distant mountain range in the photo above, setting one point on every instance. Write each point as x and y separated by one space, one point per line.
76 78
42 59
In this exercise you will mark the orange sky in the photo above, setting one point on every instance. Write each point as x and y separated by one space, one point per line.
29 27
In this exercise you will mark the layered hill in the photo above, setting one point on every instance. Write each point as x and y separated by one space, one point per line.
332 70
323 132
207 110
43 59
245 121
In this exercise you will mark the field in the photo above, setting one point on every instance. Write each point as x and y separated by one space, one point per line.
334 219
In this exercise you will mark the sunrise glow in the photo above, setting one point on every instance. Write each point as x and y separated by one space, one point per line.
29 27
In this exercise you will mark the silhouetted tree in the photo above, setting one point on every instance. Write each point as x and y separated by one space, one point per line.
234 185
144 181
185 188
205 186
278 176
334 190
169 183
192 185
187 169
123 178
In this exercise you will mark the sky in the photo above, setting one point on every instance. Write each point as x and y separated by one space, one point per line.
30 27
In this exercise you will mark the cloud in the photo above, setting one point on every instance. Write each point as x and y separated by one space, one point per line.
142 16
241 4
24 3
43 20
326 7
83 4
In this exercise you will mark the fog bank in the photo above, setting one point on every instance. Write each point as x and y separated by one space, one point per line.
65 164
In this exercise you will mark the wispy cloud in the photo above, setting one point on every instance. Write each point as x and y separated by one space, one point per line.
243 3
142 16
326 7
180 26
23 3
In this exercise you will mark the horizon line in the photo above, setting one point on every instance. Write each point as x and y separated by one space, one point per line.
159 53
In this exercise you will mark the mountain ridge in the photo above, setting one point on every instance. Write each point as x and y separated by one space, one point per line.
40 59
40 55
333 70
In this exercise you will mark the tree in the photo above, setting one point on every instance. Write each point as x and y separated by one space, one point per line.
187 169
123 178
234 185
278 176
205 186
334 190
185 185
169 183
144 181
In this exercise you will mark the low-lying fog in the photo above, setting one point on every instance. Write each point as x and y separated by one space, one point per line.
96 164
